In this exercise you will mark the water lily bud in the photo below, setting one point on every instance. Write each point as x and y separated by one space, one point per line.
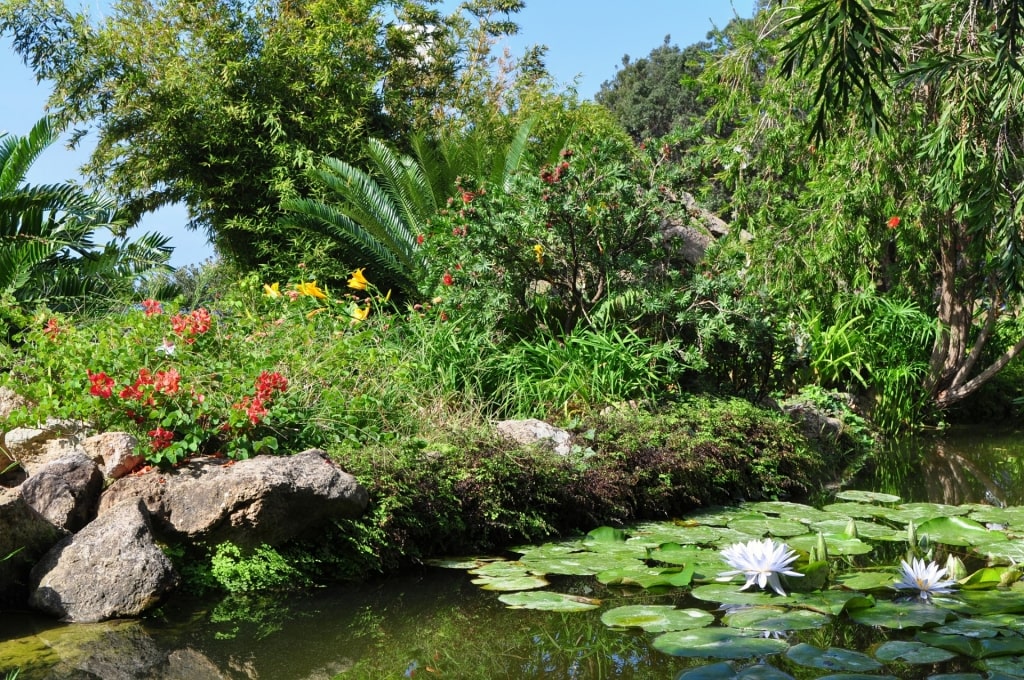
912 534
955 568
851 528
821 548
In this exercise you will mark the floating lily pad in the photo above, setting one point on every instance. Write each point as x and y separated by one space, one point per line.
461 562
1010 666
1008 551
791 511
605 535
865 529
1011 518
833 658
548 601
776 619
766 526
900 615
978 648
501 569
726 671
912 652
977 628
647 577
921 512
986 602
831 602
956 676
674 553
958 531
714 517
867 497
984 578
665 533
856 676
868 580
579 564
656 618
857 510
727 593
717 643
511 583
837 544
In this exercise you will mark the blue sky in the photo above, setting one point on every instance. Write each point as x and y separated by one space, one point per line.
586 40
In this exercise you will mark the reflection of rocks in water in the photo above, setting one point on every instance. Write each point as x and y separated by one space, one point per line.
117 650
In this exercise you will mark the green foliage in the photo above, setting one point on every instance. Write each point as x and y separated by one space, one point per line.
47 252
262 568
652 96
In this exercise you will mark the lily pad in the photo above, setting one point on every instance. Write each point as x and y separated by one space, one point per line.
726 593
502 569
726 671
829 601
511 583
857 510
868 580
986 602
579 564
647 577
773 526
545 600
1010 551
837 544
1011 666
976 628
792 511
867 497
656 618
717 643
978 648
912 652
665 533
958 531
463 563
900 615
865 529
833 658
775 619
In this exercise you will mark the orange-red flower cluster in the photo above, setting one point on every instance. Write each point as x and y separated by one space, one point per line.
191 325
160 438
152 307
100 384
52 328
893 222
267 384
549 176
447 279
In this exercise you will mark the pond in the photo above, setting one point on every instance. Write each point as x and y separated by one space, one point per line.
437 623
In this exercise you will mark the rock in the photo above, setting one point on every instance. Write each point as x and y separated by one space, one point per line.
10 401
686 242
266 499
33 447
815 423
115 451
65 491
24 536
110 569
533 431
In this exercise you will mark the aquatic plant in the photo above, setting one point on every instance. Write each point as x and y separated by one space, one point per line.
926 579
760 562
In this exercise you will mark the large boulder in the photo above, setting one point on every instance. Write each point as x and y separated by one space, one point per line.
25 536
34 447
65 491
112 568
533 431
266 499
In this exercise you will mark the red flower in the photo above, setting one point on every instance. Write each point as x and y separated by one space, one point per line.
893 222
52 328
447 279
419 239
101 384
160 438
267 383
152 307
196 323
468 196
254 409
167 381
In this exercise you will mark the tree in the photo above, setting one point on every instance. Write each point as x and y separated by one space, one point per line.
224 104
47 252
909 186
652 96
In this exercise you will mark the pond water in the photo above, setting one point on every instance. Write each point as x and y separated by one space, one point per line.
436 623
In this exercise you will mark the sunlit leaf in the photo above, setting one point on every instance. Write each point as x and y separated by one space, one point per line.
547 601
911 652
775 619
900 615
833 658
656 618
717 643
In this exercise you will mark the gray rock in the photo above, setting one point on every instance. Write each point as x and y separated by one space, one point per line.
10 401
24 537
815 423
266 499
115 451
65 491
33 447
110 569
533 431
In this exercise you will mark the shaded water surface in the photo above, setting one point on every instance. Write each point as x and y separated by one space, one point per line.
435 623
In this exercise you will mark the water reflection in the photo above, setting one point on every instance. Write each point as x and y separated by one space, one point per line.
964 465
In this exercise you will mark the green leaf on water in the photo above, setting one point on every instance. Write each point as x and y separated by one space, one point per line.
868 580
725 670
833 658
730 593
510 583
548 601
837 544
769 526
647 577
958 531
717 643
656 618
775 619
911 652
900 615
867 497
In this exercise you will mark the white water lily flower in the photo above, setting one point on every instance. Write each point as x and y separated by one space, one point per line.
926 579
761 562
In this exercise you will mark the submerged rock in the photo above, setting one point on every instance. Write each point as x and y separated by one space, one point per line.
266 499
110 569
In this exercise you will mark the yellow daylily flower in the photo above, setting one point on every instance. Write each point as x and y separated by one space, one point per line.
358 281
272 290
360 314
538 252
311 290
